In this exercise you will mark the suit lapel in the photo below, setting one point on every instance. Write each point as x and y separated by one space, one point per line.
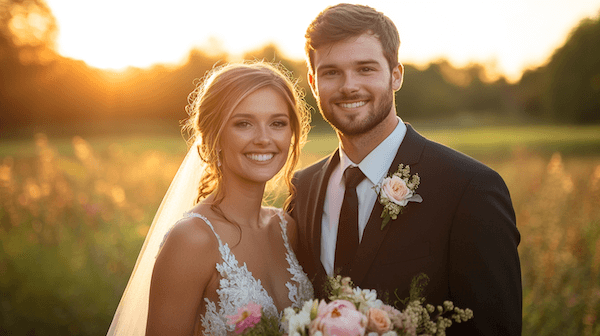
320 190
408 153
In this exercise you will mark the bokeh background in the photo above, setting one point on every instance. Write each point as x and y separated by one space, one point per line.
92 95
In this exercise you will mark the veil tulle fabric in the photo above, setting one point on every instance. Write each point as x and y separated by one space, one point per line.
132 312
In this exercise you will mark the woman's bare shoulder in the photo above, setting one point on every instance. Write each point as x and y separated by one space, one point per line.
190 238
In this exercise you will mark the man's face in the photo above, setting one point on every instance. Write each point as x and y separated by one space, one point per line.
353 84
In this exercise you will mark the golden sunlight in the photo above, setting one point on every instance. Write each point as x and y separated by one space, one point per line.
115 34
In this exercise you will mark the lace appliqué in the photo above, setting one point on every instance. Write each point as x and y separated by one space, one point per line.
303 291
237 286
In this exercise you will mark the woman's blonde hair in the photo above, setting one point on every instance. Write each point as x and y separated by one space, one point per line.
213 101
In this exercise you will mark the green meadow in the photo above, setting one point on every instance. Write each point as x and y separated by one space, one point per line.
74 212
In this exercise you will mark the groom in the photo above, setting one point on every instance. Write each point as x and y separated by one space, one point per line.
462 234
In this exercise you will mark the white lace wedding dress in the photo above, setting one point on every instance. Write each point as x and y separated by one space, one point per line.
238 286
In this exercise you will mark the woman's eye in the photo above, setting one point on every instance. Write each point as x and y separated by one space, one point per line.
280 123
242 124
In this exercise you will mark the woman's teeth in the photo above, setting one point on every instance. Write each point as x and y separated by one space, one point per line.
260 157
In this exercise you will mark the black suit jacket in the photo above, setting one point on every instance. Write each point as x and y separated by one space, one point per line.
463 236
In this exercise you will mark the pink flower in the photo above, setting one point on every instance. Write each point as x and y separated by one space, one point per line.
391 311
247 317
340 318
379 321
396 190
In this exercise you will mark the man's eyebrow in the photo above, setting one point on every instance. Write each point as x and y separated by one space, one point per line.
361 62
369 61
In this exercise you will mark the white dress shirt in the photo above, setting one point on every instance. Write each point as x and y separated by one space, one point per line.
375 166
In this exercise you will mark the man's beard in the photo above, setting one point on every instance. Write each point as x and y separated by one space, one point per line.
374 118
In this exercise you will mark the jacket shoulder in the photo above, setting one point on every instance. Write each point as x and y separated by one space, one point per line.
449 159
309 171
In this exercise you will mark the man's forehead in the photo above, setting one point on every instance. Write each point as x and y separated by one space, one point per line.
360 49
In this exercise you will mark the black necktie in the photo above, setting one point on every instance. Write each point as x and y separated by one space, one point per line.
347 236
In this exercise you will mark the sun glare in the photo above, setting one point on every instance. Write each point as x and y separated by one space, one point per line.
116 34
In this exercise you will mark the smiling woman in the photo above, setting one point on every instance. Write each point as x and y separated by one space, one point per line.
248 124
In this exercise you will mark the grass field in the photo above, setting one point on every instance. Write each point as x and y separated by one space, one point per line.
74 213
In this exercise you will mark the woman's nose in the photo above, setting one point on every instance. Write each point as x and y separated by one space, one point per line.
262 136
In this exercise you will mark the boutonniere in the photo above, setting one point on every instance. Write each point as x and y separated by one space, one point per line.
396 191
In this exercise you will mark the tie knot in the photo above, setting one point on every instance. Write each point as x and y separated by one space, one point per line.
353 177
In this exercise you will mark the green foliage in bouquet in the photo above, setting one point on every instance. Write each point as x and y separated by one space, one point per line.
267 326
252 320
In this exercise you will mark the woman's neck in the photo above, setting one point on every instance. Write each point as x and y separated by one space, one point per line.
242 202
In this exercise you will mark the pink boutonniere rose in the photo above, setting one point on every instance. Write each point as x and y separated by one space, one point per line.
396 191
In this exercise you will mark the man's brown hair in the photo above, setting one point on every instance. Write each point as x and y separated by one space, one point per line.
342 21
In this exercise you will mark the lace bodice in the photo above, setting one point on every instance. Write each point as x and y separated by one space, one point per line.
238 287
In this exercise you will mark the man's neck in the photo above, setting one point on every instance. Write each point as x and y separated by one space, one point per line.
357 147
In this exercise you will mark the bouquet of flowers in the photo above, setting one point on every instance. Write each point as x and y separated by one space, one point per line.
356 312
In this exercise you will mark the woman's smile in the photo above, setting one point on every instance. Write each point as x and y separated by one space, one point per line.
260 157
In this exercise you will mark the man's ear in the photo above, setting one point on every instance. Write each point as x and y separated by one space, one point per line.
397 77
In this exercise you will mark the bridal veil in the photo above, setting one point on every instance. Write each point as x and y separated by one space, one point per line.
132 312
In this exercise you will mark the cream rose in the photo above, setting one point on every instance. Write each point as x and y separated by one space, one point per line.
395 189
378 321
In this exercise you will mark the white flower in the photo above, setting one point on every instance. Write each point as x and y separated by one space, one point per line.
299 322
366 298
390 333
308 306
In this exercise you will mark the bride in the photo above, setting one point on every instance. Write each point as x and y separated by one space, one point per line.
248 123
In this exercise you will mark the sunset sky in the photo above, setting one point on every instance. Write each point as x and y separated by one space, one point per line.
511 34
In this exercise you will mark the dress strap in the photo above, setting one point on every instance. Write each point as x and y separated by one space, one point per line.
283 225
197 215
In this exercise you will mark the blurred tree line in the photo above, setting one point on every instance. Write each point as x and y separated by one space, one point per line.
38 87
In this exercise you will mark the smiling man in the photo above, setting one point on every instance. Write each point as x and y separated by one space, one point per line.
461 230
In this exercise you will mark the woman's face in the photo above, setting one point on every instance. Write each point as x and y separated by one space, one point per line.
256 139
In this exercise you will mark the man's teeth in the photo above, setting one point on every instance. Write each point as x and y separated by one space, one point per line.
260 157
353 105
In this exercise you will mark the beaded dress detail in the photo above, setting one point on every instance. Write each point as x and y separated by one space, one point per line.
238 287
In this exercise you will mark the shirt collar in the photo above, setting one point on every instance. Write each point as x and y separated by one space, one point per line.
376 164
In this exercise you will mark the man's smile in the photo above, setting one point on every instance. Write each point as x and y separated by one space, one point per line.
353 105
